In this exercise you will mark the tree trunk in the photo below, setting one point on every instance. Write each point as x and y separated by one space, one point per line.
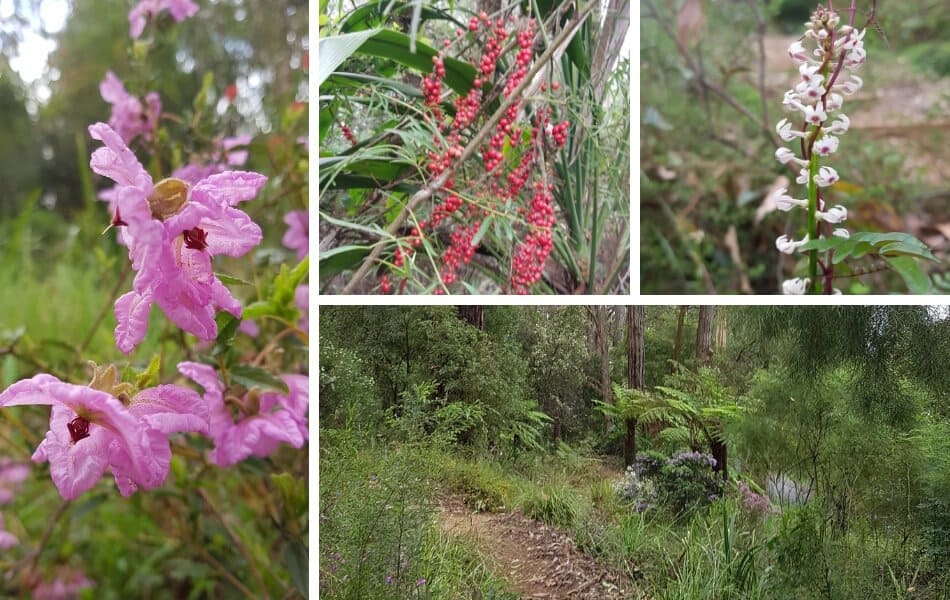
678 339
703 357
475 315
635 374
599 318
704 335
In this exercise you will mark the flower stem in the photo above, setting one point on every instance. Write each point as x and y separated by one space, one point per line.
813 222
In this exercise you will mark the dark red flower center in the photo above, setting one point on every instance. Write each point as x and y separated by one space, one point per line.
117 220
78 429
196 239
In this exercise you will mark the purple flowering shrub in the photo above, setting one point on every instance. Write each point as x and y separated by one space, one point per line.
678 483
192 442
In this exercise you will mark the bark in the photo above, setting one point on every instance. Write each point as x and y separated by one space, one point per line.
599 318
474 315
678 339
704 335
635 374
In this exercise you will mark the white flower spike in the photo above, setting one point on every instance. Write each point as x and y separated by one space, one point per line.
827 56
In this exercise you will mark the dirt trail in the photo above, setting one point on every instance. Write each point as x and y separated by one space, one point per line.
539 562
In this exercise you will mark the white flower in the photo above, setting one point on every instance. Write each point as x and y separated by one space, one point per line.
810 93
850 42
856 57
785 131
797 52
784 156
784 202
835 214
802 176
810 74
787 245
814 114
850 87
826 145
840 125
826 176
841 232
836 292
797 286
833 101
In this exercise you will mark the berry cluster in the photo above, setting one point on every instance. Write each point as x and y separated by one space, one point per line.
460 219
531 254
348 134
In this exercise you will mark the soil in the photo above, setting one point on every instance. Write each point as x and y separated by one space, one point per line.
539 562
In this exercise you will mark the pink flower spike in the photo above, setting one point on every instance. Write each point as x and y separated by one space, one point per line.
297 236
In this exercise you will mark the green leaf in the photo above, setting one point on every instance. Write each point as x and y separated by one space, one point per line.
907 267
343 258
295 554
255 377
227 328
482 230
232 280
336 49
355 80
394 46
375 13
149 377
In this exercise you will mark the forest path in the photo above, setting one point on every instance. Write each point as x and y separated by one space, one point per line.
539 562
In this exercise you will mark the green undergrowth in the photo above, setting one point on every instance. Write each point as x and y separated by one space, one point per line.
379 537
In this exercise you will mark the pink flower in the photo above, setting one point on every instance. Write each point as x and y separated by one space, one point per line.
65 587
222 156
265 420
12 474
249 327
7 539
297 236
179 10
172 230
129 118
91 431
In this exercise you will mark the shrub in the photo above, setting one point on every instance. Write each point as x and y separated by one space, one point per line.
681 482
482 484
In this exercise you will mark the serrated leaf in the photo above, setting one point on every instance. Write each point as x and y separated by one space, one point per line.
910 271
255 377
